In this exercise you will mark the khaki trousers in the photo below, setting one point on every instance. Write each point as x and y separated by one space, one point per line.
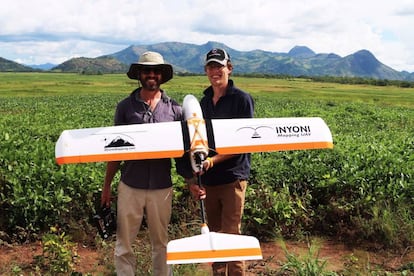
131 205
224 209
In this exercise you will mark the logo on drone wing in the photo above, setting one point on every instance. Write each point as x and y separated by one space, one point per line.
255 133
120 142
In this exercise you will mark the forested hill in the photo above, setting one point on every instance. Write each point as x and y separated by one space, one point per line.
11 66
92 65
299 61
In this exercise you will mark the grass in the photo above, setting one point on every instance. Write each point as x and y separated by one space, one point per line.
48 84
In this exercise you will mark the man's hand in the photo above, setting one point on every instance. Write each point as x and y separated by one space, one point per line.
196 191
111 168
106 196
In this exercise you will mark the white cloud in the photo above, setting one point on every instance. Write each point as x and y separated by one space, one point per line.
53 31
56 52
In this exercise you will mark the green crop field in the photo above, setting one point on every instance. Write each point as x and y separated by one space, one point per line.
42 84
362 190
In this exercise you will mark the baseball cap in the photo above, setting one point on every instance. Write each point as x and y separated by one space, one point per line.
217 55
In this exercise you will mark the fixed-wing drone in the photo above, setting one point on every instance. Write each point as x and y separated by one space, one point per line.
196 136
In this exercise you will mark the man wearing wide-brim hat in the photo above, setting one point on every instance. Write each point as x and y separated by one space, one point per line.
145 187
151 59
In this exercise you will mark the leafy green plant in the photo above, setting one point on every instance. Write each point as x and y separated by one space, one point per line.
274 211
388 225
59 253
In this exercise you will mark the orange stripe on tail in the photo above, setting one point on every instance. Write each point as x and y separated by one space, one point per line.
222 253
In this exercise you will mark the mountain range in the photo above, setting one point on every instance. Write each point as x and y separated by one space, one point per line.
189 58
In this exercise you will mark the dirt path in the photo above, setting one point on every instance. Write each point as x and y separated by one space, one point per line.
337 255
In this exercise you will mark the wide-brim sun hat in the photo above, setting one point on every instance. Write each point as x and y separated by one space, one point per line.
151 59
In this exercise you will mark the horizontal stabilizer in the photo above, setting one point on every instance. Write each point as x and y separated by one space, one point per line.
213 247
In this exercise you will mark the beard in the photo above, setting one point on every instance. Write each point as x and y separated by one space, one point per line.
152 84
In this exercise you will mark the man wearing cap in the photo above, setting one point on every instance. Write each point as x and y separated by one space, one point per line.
225 176
145 186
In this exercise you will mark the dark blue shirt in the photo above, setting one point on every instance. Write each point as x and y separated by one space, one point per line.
234 104
149 173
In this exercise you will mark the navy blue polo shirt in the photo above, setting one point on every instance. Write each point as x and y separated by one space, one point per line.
150 173
234 104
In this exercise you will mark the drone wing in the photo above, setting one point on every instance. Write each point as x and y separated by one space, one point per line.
269 134
129 142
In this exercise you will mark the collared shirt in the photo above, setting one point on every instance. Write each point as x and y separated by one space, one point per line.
150 173
234 104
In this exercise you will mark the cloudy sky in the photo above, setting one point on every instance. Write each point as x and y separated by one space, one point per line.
42 31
